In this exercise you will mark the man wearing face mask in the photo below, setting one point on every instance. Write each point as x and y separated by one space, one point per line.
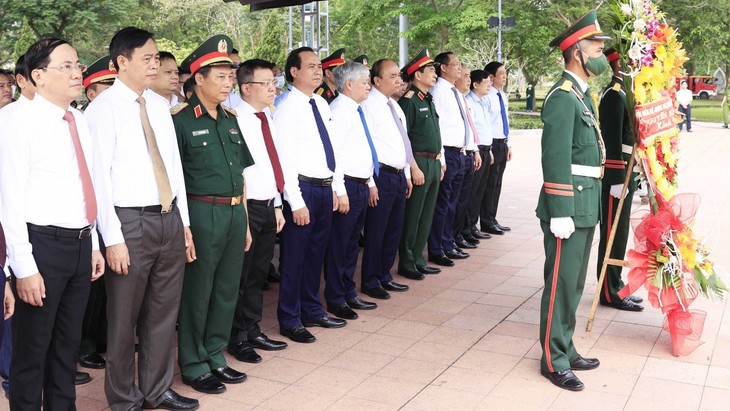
570 198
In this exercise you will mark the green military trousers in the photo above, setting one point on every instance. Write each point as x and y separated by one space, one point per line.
612 283
419 215
566 263
210 288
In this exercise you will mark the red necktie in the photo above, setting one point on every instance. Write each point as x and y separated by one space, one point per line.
271 149
471 122
3 250
86 184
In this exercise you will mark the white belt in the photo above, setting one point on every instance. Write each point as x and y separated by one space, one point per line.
585 171
627 149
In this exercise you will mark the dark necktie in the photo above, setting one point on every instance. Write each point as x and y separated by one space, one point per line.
158 166
271 150
462 110
3 249
373 153
329 152
86 185
505 126
403 134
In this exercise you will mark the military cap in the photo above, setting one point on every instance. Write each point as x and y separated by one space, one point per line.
611 54
333 60
362 59
422 59
586 27
213 52
100 71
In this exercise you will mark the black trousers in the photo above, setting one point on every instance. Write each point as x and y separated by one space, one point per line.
462 204
478 190
46 339
494 183
250 305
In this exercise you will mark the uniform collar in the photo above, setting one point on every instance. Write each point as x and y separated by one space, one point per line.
199 109
582 85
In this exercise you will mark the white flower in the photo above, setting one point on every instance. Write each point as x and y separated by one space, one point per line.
636 3
626 9
639 25
635 52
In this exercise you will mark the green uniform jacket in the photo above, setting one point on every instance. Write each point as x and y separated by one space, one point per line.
212 150
569 136
422 122
326 92
616 130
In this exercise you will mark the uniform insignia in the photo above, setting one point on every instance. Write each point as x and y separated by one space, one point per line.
423 109
201 132
233 131
409 94
111 66
198 111
230 110
567 85
616 87
319 91
421 96
222 46
329 93
271 108
178 108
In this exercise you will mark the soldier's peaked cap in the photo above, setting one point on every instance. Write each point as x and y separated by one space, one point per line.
423 58
333 60
213 52
586 27
611 54
100 71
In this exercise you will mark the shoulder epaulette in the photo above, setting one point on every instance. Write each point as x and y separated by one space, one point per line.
616 87
409 94
566 86
230 110
178 108
319 91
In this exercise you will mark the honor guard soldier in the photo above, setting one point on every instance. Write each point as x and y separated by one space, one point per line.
619 140
214 156
99 76
327 89
362 59
569 203
428 167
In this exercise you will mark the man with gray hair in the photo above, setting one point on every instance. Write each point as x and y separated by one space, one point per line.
357 161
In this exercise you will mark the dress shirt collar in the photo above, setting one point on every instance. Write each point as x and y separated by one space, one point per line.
245 109
473 96
298 94
22 99
376 96
442 82
47 107
347 102
127 93
195 103
582 85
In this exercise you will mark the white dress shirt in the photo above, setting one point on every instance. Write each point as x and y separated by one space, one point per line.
451 123
495 112
172 102
10 108
123 165
260 180
354 157
40 181
684 97
233 100
302 151
386 136
480 115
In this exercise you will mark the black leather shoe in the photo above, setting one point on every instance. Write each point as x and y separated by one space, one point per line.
564 379
93 360
441 260
298 334
480 235
427 269
343 311
377 292
626 305
360 304
636 299
455 254
412 275
393 286
132 408
206 383
493 229
228 375
262 342
503 227
466 244
470 238
243 351
584 364
175 401
326 322
82 378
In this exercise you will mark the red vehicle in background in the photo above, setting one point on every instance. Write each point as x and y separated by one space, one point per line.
700 86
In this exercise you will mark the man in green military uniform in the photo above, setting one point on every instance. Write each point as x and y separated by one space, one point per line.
213 155
327 89
569 204
427 169
619 140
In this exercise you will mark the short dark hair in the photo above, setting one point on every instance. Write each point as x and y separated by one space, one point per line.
246 69
294 60
125 41
477 76
21 68
7 73
166 55
181 70
492 67
376 70
442 58
189 86
39 54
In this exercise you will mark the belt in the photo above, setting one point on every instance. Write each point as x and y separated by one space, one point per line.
324 182
499 140
485 146
155 209
385 167
231 201
454 149
77 233
357 179
627 149
471 151
265 203
427 154
586 171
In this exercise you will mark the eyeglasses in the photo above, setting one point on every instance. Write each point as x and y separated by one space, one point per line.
266 84
67 68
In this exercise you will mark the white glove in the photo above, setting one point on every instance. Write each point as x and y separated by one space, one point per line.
562 227
616 190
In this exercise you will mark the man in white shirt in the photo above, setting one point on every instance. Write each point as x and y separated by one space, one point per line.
501 150
52 250
358 162
143 219
167 83
455 136
264 183
304 125
684 100
387 203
